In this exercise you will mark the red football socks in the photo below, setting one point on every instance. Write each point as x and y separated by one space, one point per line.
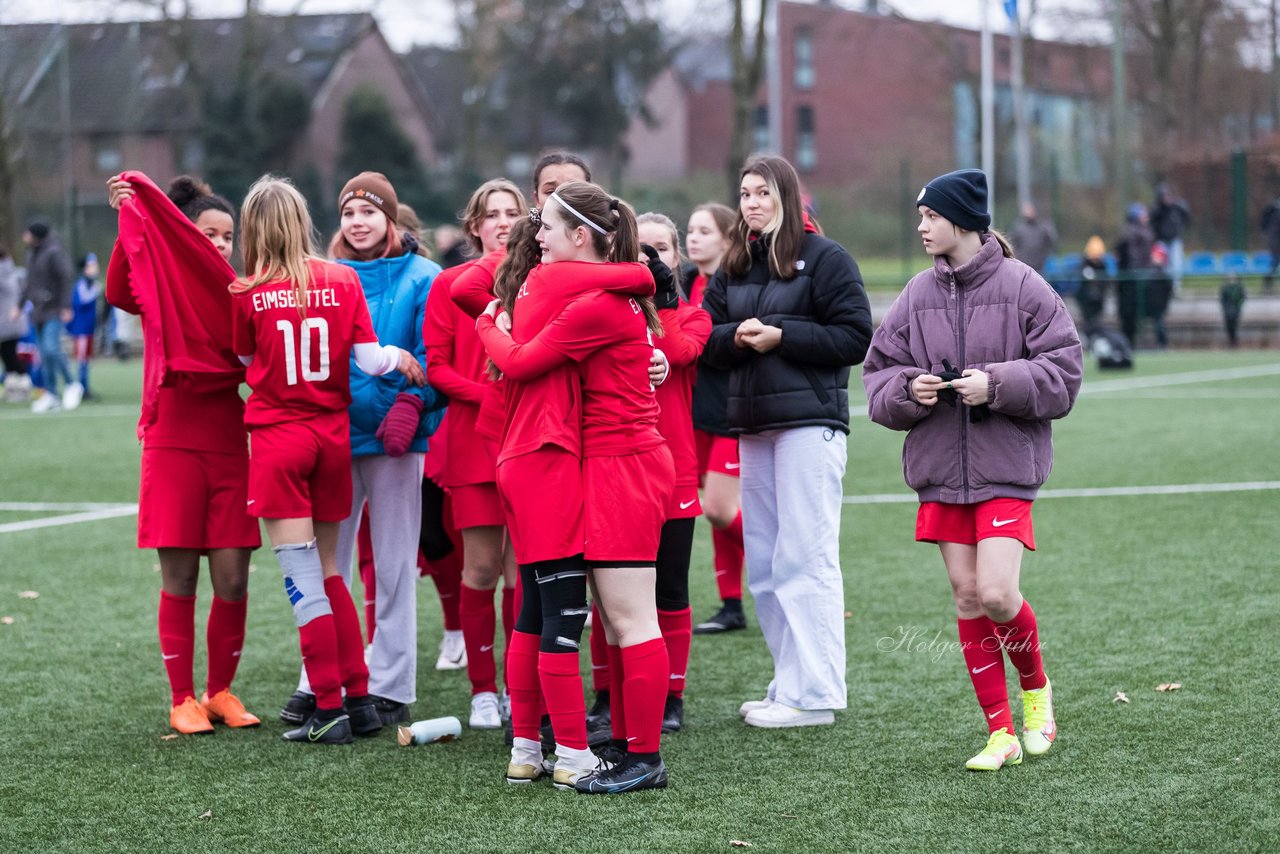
617 696
478 625
984 660
729 555
677 634
319 641
562 687
346 626
447 575
645 685
522 683
225 637
1022 642
177 619
600 678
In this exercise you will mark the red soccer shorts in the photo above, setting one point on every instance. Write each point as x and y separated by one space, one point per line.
476 505
626 501
301 469
968 523
194 500
542 500
718 454
684 503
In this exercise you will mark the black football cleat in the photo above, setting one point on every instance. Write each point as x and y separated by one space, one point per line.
298 707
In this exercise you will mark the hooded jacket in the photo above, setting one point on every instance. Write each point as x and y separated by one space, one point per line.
826 325
396 291
999 316
49 280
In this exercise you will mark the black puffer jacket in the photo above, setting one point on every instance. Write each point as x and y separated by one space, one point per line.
826 328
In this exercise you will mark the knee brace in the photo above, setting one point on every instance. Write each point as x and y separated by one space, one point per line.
562 589
672 589
529 620
303 581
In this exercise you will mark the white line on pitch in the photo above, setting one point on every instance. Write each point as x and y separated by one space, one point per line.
1182 378
70 519
83 412
1096 492
41 506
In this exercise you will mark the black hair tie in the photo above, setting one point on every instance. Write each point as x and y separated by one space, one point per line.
613 204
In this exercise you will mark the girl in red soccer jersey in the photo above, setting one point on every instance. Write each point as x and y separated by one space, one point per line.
706 242
195 473
297 322
984 334
627 472
685 329
456 365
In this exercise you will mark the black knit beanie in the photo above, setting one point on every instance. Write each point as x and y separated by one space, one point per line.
38 228
960 196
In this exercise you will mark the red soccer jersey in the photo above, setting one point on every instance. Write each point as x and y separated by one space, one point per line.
607 334
456 365
685 331
696 289
301 366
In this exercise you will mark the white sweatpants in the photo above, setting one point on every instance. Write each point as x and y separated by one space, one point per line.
791 503
393 488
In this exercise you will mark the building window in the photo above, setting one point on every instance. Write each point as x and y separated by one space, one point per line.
806 145
804 59
760 133
107 157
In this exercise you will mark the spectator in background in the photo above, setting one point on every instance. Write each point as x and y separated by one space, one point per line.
1092 294
1271 228
1034 239
451 246
1133 257
1232 296
13 326
84 317
1169 220
49 283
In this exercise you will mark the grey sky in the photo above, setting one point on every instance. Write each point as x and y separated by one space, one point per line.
406 22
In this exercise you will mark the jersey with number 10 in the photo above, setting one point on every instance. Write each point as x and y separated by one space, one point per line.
301 365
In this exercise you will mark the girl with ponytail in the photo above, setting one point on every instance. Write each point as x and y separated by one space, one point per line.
585 316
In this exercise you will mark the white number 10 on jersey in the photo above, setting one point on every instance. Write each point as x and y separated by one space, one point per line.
291 355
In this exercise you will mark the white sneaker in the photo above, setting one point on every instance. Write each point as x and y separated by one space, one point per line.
46 403
572 765
453 652
779 715
504 706
72 395
485 711
754 706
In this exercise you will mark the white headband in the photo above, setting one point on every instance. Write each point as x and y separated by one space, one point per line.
555 195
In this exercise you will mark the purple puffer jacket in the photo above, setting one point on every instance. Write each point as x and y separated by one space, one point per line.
997 315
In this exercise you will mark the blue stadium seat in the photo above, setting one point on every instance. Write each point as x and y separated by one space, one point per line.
1202 264
1235 262
1113 266
1053 268
1260 263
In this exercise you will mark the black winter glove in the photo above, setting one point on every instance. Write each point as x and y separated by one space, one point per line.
666 295
949 396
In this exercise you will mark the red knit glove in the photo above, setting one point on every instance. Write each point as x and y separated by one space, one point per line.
400 424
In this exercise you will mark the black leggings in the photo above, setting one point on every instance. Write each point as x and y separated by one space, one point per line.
672 593
554 605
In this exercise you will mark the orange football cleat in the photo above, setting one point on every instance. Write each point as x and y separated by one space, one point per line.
190 719
226 708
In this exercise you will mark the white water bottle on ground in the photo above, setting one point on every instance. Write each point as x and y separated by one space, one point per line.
430 731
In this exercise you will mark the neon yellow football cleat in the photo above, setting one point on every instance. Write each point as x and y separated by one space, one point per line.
1002 749
1038 725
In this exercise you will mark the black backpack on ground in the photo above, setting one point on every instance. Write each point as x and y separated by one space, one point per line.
1112 349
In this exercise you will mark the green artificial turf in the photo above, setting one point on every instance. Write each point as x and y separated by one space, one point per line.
1131 591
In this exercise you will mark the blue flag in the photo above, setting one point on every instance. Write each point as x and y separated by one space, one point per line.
1011 9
